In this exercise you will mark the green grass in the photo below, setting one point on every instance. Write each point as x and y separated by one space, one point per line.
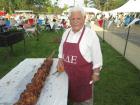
120 80
33 49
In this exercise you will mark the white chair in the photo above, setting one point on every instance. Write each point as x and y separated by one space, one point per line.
30 31
56 28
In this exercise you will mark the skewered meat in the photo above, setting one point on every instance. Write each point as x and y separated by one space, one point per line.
30 95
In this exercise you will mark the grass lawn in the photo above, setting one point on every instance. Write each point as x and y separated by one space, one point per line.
120 80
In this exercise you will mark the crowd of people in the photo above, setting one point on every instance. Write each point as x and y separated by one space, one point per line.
119 19
106 20
46 22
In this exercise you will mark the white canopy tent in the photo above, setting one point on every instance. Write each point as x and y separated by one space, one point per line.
87 10
23 11
130 6
91 10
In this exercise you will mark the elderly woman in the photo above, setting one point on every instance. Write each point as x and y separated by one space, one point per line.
80 54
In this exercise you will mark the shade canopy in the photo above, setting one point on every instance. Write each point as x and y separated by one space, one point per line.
91 10
23 11
130 6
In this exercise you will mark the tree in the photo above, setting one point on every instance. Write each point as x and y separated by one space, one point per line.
97 4
35 5
65 7
86 3
106 5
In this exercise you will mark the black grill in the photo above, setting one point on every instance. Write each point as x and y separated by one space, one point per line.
10 38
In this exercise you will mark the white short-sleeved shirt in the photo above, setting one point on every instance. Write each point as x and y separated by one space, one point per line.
89 45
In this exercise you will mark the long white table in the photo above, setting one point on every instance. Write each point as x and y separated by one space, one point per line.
12 84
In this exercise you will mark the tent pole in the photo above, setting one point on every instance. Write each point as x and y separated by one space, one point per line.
103 35
103 30
126 40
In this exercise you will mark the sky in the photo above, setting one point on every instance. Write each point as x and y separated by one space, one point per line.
70 2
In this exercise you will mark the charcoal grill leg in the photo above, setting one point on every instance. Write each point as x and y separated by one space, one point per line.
12 51
37 35
24 45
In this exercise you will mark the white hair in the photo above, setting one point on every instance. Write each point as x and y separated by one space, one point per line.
75 9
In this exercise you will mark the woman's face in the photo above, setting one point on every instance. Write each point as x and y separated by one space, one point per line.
77 21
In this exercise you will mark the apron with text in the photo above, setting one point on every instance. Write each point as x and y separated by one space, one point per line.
79 71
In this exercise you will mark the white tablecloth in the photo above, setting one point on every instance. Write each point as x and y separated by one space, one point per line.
12 85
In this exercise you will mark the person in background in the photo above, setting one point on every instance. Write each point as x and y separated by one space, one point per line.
100 21
13 21
80 55
2 25
63 22
7 24
110 21
47 24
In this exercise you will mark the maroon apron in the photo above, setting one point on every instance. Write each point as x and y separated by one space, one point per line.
79 71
